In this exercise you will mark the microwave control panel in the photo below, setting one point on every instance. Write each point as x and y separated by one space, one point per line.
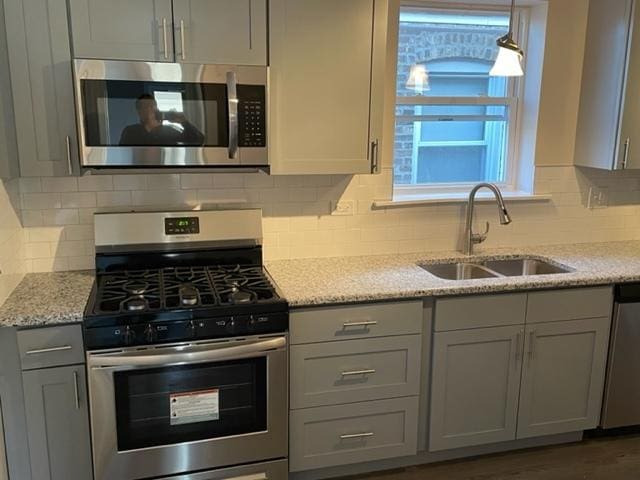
252 123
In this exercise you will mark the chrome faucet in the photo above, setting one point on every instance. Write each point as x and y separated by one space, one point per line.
470 238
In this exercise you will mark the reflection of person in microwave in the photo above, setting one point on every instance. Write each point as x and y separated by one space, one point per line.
174 129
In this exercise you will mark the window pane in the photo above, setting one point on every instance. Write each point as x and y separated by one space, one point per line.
443 152
456 49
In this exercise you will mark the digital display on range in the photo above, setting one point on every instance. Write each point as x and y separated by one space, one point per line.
182 226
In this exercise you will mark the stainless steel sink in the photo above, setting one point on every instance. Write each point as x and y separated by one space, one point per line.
459 271
479 269
525 266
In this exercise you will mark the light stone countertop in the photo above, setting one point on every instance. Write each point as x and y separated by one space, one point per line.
57 298
309 282
47 299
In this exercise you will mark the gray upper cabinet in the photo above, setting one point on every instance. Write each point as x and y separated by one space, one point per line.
607 135
475 386
327 71
122 29
563 377
8 140
41 78
187 31
58 423
221 31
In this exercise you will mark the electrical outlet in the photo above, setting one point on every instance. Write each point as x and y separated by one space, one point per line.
345 208
598 198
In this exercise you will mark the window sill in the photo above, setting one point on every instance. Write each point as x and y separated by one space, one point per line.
453 198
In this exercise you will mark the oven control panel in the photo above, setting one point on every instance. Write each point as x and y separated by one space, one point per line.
182 226
155 332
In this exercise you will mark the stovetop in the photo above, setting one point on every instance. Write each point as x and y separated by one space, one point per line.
154 305
178 288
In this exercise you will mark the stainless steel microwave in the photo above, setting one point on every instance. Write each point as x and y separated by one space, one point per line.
134 115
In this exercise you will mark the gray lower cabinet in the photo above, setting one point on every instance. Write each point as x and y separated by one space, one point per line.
563 377
4 471
42 84
58 423
475 386
353 433
122 29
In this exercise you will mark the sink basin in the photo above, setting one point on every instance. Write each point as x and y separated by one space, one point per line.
459 271
524 266
479 269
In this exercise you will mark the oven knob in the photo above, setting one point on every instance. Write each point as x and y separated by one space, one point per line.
191 329
128 336
150 333
231 325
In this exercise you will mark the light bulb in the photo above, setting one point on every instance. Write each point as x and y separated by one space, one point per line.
508 63
418 78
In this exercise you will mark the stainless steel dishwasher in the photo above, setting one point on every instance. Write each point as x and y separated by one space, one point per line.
621 407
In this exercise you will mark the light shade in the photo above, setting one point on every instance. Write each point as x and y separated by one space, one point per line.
509 61
418 78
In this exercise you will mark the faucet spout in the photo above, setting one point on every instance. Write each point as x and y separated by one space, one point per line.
470 238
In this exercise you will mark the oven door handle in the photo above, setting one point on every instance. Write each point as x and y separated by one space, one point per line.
146 359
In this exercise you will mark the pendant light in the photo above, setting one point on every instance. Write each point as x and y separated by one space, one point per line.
510 55
418 79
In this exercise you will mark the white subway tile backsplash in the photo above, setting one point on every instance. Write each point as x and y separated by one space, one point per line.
78 199
163 182
113 199
41 201
59 184
61 217
30 185
95 183
129 182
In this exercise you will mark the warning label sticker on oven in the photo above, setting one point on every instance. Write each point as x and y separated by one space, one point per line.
194 407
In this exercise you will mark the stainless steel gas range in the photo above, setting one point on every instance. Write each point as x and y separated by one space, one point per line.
186 349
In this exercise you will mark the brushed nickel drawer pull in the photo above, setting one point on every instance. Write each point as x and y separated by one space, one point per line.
532 344
358 372
49 350
255 476
356 435
360 324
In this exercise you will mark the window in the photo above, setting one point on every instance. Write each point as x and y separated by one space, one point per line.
455 125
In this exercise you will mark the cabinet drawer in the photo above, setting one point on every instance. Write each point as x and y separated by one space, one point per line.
51 347
358 432
482 311
358 321
572 304
355 371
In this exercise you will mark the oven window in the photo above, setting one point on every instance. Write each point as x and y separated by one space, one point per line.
165 406
160 114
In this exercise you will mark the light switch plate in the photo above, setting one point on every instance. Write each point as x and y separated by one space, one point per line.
598 198
344 208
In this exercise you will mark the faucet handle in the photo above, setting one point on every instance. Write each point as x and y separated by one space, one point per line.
480 237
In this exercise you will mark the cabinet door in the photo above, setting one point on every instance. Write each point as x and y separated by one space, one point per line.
475 385
628 153
603 80
563 377
325 91
221 31
58 423
41 76
122 29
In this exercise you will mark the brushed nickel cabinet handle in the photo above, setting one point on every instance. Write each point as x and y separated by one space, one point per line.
68 146
76 390
518 346
164 38
358 372
532 344
375 147
183 53
625 158
360 324
49 350
357 435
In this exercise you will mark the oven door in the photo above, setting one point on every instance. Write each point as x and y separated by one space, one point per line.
175 409
146 115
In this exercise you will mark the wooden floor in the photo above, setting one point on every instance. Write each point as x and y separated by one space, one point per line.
615 458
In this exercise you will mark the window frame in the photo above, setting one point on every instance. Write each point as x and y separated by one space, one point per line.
513 102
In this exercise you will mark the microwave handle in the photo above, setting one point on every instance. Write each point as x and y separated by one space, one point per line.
149 359
232 95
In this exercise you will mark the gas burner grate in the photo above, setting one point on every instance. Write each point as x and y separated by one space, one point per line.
177 288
